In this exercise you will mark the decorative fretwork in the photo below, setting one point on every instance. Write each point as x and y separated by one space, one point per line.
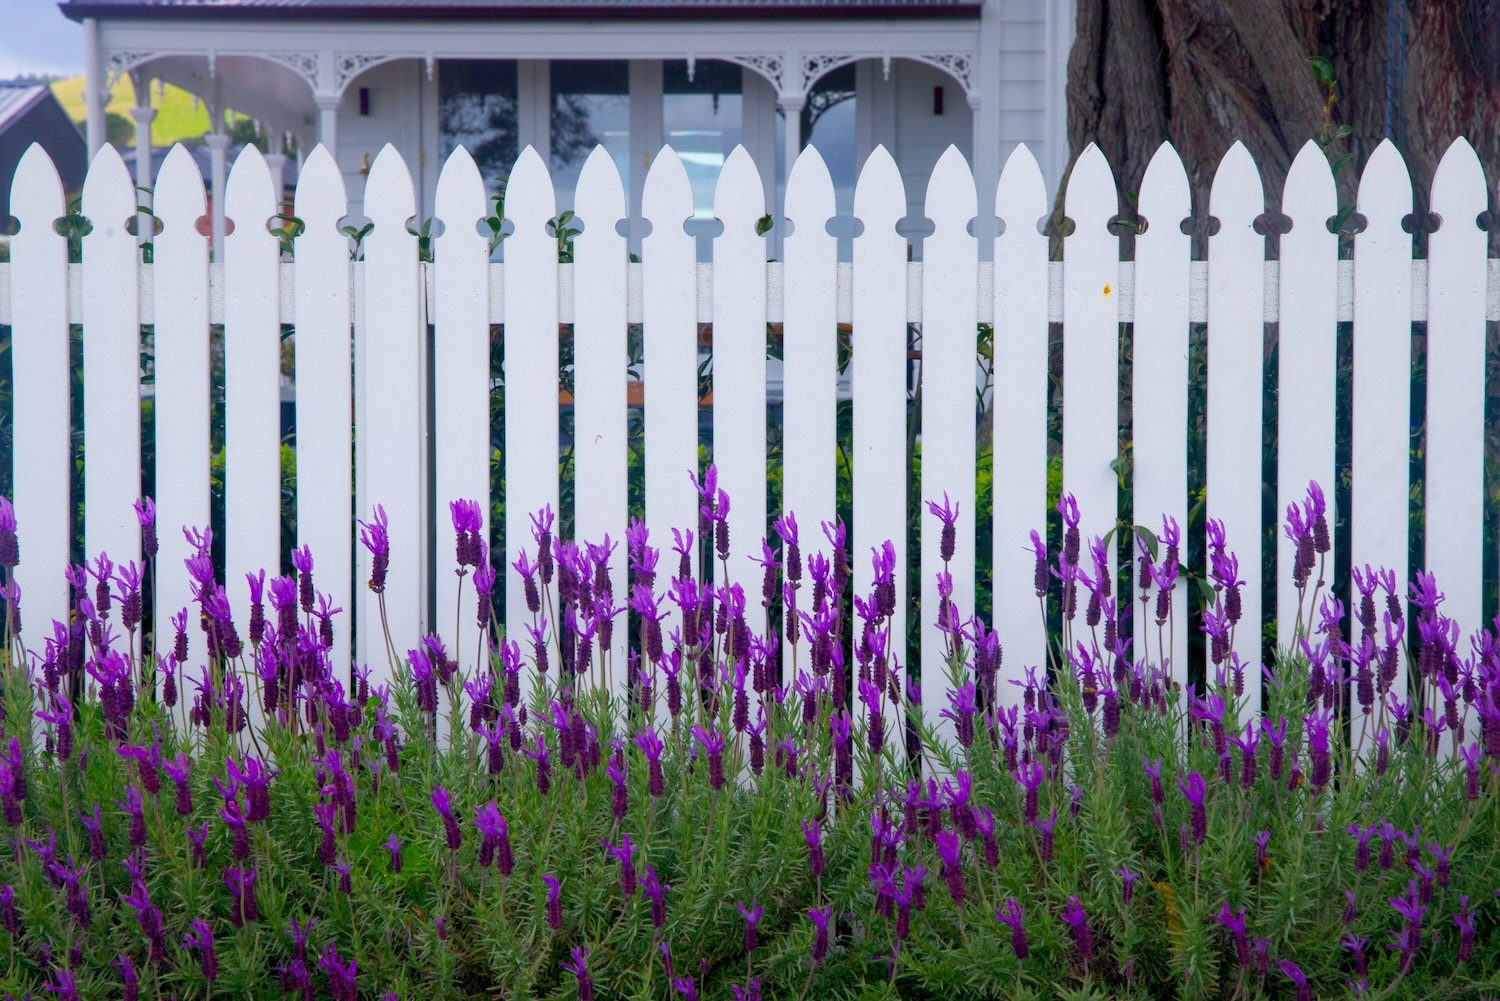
120 62
348 65
820 101
815 66
959 64
304 64
772 67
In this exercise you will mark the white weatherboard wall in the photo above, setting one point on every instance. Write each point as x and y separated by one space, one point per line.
362 329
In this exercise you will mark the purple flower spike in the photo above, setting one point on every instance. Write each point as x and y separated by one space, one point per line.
580 969
1078 926
1127 883
444 806
1012 916
947 513
341 975
393 845
1195 791
201 940
554 902
624 853
1294 973
752 916
10 546
820 916
375 536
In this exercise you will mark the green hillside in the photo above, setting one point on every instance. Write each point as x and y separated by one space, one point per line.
178 119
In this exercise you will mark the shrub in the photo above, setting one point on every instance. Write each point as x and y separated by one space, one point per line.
229 813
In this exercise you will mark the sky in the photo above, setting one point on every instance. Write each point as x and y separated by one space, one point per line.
36 38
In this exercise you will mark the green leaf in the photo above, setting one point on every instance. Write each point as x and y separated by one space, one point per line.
1149 536
1323 70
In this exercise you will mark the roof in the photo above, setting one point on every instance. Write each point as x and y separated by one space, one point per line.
368 10
16 101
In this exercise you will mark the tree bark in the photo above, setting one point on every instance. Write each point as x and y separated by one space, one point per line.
1202 75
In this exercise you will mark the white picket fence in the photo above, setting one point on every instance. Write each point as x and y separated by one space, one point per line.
388 298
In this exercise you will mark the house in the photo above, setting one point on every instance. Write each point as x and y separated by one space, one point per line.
32 115
563 75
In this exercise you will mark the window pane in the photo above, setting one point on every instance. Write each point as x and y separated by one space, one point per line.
828 124
477 110
702 119
590 107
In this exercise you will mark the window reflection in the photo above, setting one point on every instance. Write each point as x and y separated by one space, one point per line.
477 110
590 107
702 119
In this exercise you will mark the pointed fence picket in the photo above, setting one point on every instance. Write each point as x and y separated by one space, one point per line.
1381 433
1236 352
461 412
739 411
1159 399
324 384
670 365
182 354
531 432
878 379
1091 352
390 297
950 266
1307 355
43 453
252 380
389 412
112 359
1454 446
1020 419
600 356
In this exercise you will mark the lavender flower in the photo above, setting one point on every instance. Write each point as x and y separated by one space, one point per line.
656 892
1294 973
1010 914
201 939
444 806
820 916
376 538
10 546
580 969
341 975
1195 790
554 902
494 846
713 745
752 916
950 849
1078 926
624 854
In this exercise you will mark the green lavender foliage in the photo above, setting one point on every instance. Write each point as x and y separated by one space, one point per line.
743 843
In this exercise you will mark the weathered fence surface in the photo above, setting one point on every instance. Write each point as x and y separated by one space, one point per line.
368 432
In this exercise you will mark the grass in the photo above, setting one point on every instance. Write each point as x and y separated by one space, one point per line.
178 117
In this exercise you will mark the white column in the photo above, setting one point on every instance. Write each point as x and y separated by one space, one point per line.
534 105
143 180
791 107
328 122
984 101
93 85
646 129
218 144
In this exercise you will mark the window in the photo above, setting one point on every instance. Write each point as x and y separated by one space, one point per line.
590 107
477 110
702 119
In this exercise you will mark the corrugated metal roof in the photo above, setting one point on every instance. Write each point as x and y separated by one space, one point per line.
16 101
504 9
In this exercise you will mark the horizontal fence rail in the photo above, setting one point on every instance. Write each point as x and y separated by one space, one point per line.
393 387
1197 289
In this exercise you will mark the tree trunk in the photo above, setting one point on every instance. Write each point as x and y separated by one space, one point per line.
1202 75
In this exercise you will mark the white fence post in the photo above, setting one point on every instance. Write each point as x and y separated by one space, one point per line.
461 409
1159 396
1381 449
389 372
112 356
324 385
182 372
600 459
531 435
1236 360
43 453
